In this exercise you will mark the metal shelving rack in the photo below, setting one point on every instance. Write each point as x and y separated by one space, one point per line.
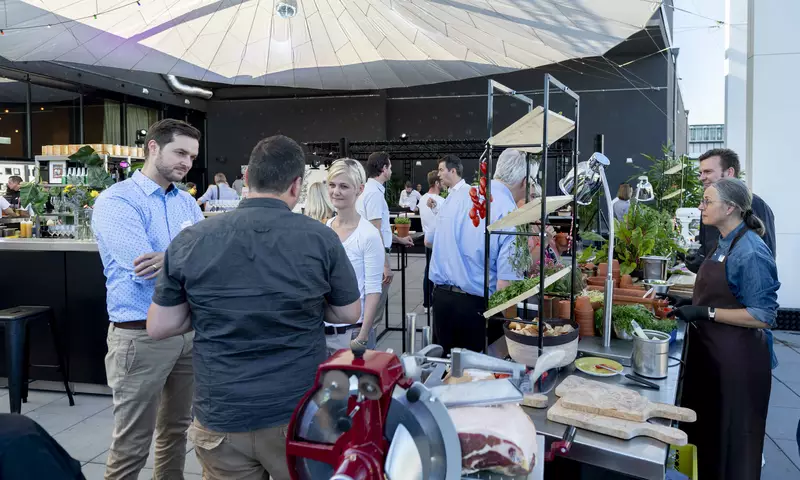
547 115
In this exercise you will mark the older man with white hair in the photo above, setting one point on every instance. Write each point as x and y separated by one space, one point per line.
457 261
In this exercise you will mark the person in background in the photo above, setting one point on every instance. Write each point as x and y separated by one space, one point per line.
6 208
255 284
457 262
364 247
191 187
428 218
219 191
371 204
12 190
728 377
622 203
552 250
238 184
419 188
409 198
715 165
318 204
151 381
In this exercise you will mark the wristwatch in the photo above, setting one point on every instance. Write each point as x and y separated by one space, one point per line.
712 313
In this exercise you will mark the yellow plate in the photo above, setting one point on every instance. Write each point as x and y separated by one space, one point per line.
588 365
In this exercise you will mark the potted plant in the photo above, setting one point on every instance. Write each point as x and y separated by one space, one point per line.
402 226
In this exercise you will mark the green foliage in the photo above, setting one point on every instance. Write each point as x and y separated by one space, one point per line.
515 289
402 221
392 192
643 231
521 259
586 254
623 315
33 194
665 184
97 177
87 157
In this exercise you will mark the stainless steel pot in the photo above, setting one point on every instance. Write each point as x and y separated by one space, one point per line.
654 268
651 356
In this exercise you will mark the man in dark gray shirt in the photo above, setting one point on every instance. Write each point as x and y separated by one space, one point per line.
255 284
716 164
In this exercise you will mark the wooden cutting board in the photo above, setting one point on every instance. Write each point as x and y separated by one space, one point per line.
615 427
599 398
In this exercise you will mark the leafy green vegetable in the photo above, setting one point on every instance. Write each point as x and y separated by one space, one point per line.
622 315
521 260
515 289
585 255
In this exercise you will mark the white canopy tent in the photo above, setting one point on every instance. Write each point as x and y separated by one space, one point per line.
325 44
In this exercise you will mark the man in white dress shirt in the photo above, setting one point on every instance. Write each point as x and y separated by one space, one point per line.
371 204
428 217
409 198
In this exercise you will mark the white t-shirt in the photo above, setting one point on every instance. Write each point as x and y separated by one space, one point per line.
409 200
4 204
428 215
371 205
365 250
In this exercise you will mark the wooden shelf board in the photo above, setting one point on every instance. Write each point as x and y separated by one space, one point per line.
530 212
533 291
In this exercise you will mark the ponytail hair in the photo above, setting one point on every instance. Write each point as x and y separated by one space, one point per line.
754 223
735 193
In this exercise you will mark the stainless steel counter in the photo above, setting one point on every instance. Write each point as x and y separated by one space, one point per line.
47 245
641 457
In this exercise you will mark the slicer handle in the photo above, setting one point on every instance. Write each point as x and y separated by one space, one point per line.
561 447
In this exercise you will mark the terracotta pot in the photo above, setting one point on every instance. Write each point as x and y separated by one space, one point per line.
625 281
602 270
549 311
584 316
510 312
563 309
402 229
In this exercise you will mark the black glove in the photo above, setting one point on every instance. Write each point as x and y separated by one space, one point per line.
693 261
690 313
678 301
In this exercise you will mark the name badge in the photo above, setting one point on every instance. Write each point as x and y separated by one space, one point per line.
187 223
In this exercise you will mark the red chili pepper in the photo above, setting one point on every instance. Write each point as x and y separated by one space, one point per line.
473 212
483 167
483 183
482 212
482 190
473 192
476 221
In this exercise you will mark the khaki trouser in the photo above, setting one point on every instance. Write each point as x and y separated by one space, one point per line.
255 455
152 383
342 340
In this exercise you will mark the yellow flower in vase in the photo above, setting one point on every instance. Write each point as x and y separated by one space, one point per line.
94 193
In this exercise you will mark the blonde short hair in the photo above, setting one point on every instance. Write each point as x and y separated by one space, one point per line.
351 169
318 205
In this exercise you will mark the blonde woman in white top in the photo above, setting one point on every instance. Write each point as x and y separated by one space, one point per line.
318 205
364 247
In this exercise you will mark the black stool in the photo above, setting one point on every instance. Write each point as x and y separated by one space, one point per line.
15 321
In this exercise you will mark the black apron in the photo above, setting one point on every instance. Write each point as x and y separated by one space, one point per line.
728 381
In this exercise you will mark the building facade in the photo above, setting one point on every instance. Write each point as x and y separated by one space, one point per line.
703 138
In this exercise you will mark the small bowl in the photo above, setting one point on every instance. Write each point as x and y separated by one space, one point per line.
659 288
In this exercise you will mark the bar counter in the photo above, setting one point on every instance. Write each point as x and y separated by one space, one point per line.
66 275
639 457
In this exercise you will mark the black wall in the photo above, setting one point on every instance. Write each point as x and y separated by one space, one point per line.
629 106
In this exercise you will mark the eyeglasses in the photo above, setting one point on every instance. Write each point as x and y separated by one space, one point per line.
704 203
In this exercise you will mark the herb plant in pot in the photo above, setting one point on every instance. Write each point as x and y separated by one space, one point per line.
402 225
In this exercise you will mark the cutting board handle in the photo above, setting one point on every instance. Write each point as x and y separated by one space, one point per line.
672 412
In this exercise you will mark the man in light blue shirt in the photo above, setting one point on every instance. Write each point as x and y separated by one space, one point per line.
134 222
457 262
219 191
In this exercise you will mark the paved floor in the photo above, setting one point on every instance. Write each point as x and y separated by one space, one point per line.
85 429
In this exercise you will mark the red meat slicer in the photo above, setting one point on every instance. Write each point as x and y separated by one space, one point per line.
372 415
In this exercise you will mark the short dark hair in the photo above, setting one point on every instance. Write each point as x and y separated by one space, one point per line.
164 131
376 163
408 183
727 159
274 164
433 177
15 179
452 161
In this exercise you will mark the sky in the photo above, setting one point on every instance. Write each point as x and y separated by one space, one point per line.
701 58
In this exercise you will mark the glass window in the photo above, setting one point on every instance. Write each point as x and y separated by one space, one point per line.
55 117
101 120
139 118
12 118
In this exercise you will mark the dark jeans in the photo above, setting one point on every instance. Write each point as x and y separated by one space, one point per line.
427 285
458 322
28 451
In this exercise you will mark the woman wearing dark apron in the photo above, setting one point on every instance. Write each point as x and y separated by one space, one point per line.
728 379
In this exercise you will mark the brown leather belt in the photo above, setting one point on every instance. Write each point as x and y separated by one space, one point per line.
134 325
